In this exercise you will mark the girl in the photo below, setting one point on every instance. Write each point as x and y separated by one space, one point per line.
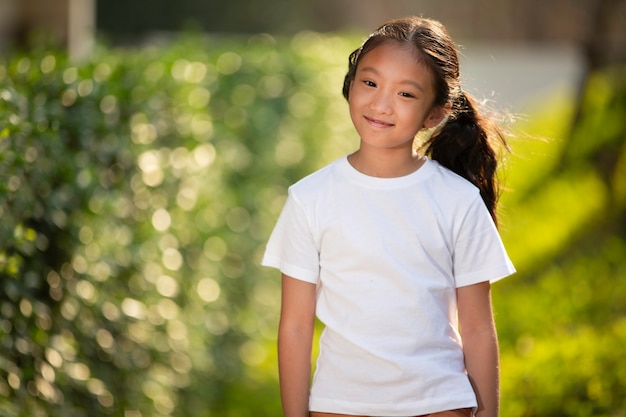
394 250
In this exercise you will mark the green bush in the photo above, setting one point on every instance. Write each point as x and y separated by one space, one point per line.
562 318
138 191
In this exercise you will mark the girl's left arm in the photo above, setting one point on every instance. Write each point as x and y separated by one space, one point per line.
480 346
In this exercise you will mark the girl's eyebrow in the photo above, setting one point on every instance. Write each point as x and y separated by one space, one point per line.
409 82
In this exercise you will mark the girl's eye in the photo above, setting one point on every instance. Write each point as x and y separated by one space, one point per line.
369 83
407 95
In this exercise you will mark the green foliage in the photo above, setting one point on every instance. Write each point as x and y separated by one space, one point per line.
562 318
138 190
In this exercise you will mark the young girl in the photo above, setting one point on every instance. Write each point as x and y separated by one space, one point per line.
394 250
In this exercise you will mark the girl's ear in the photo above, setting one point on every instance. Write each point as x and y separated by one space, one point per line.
437 114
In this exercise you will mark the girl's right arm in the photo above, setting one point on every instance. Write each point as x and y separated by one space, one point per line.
295 339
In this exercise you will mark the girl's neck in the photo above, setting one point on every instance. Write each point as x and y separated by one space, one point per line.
385 164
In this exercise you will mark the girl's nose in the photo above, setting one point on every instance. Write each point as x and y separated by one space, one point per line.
381 102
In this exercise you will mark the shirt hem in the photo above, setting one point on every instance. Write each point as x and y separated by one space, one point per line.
390 410
492 275
298 273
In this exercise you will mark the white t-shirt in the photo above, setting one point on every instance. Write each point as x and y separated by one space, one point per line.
387 255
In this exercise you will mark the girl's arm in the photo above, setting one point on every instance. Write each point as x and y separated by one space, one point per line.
480 346
295 337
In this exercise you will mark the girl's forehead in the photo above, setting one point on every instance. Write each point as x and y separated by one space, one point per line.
391 46
395 53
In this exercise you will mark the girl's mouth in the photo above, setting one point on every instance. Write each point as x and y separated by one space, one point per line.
377 123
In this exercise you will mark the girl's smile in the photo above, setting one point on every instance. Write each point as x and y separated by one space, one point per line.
378 123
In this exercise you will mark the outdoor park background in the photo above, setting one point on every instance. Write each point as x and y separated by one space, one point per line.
140 182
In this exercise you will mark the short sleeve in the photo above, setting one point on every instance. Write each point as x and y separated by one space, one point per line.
479 254
291 247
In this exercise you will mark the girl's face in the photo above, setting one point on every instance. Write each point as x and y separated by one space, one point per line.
391 97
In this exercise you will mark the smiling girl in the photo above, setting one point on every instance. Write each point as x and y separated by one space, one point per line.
394 250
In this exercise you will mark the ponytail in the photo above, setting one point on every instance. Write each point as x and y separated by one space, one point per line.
468 144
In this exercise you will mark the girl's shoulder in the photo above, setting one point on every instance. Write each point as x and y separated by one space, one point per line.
316 181
449 180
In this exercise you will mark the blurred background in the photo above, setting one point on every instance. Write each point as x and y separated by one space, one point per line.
145 152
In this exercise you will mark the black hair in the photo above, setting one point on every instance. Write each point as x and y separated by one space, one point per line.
468 143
